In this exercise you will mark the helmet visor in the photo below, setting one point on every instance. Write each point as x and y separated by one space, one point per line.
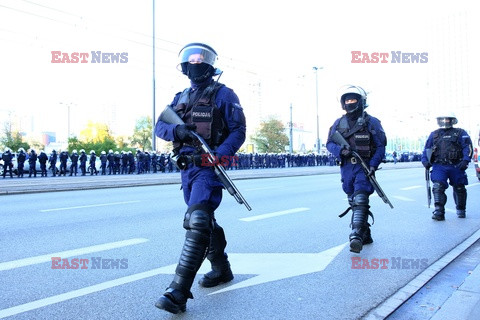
446 122
197 54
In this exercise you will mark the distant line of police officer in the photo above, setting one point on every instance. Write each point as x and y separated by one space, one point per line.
126 162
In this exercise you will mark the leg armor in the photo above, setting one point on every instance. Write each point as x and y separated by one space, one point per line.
360 226
199 223
440 199
460 197
221 271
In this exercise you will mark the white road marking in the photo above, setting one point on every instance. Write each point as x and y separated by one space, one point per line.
274 214
404 198
69 253
90 206
411 188
266 266
472 185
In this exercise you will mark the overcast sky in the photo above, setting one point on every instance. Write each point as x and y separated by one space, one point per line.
278 40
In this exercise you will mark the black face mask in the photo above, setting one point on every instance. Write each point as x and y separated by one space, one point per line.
199 72
350 107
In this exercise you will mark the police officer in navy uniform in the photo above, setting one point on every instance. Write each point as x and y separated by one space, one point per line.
63 162
74 163
42 159
21 157
83 162
214 111
451 151
365 134
7 158
53 162
32 162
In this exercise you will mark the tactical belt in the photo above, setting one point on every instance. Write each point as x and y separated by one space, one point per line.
446 161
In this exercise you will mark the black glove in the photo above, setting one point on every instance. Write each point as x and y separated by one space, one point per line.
372 171
427 165
462 165
183 132
346 152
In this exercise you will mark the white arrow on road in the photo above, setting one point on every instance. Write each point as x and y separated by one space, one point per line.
270 266
267 266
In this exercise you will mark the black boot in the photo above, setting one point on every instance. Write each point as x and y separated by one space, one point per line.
460 197
198 222
359 222
221 272
440 198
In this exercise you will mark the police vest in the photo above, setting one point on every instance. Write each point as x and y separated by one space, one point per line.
199 108
446 146
359 137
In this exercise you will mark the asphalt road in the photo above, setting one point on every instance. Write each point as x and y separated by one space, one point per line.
289 254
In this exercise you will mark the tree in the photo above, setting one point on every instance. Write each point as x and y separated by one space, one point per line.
271 137
96 136
142 134
12 140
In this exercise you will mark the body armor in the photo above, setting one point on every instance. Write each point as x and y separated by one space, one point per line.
199 108
446 148
359 137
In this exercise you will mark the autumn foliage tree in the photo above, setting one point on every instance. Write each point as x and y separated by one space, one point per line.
270 136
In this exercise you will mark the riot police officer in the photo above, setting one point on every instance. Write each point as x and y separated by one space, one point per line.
32 162
451 151
83 162
42 159
111 163
367 137
7 158
53 162
21 157
214 111
103 162
74 164
92 163
63 162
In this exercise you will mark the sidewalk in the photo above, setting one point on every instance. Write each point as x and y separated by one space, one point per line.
49 184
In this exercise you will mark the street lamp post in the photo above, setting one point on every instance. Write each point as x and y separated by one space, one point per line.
68 105
316 100
153 76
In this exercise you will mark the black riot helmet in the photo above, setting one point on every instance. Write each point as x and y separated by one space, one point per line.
349 92
197 62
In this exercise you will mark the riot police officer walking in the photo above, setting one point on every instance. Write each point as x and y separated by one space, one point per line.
448 151
214 111
365 135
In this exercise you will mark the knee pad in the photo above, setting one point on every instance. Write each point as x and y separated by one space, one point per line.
199 217
438 187
459 189
360 199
